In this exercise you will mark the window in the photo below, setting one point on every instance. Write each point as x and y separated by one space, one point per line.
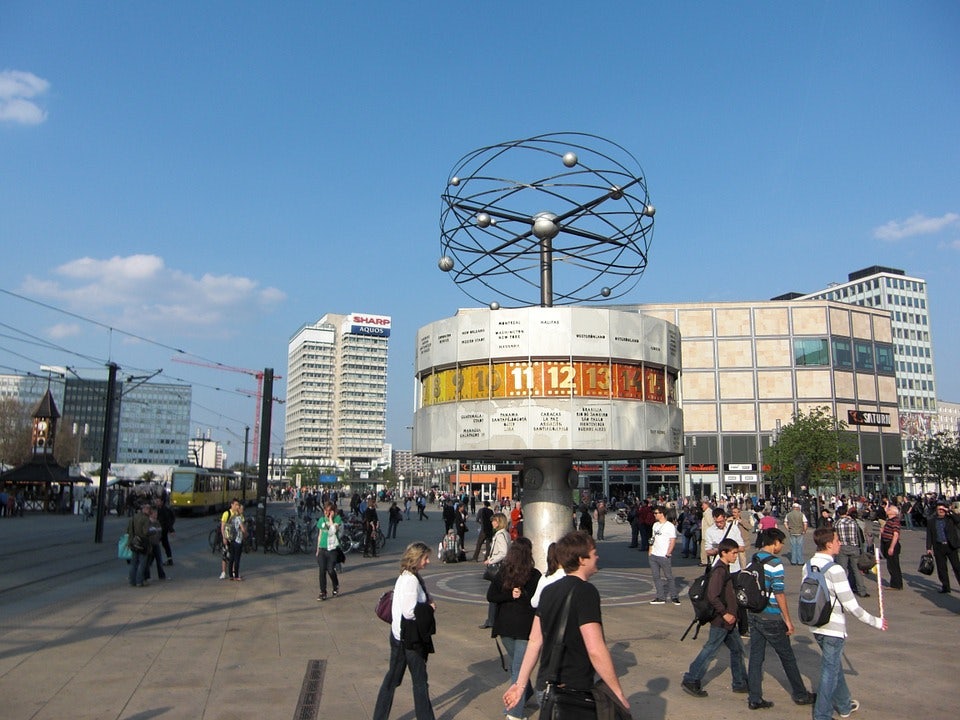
842 358
864 355
810 351
884 354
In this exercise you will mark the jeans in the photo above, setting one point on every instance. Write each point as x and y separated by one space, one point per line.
392 528
138 567
233 566
893 563
847 559
515 648
796 549
769 629
833 691
400 660
327 562
720 636
601 524
689 545
662 570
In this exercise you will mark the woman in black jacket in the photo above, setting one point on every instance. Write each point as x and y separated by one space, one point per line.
511 590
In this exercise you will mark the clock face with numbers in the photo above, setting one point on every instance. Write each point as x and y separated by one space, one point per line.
547 379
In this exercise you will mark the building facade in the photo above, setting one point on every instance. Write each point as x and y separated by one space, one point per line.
749 367
905 299
150 421
336 404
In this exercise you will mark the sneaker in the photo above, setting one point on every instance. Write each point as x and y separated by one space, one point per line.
336 592
693 688
656 601
223 576
675 601
854 706
760 705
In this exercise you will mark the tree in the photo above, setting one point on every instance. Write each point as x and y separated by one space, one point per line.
810 449
308 473
15 432
937 457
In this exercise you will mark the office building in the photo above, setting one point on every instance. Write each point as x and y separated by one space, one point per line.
154 423
905 299
336 401
748 367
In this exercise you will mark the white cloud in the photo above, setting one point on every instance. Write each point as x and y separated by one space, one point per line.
17 90
140 294
914 225
63 330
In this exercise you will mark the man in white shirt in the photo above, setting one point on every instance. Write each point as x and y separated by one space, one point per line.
718 532
664 541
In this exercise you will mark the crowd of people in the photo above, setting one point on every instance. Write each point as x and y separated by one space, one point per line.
554 618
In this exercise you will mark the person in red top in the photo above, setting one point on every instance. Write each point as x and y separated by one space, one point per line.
890 546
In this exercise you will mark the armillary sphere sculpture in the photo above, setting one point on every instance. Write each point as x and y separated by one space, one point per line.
561 210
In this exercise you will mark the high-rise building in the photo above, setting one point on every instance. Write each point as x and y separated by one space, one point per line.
151 421
154 423
336 404
905 299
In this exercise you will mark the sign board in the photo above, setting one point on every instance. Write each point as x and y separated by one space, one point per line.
861 417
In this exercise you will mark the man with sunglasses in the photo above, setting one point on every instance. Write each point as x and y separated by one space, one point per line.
943 541
661 549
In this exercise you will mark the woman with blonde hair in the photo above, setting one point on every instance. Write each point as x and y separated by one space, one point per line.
410 635
498 551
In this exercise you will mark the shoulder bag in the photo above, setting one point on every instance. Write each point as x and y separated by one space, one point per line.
490 571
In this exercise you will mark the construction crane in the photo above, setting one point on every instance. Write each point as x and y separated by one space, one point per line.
258 374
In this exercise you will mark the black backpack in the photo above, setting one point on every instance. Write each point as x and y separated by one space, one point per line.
750 586
703 611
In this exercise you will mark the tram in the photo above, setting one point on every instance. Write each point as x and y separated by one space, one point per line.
204 490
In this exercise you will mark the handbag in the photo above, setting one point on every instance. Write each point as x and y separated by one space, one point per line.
384 609
341 557
866 560
926 565
490 571
123 548
137 544
562 704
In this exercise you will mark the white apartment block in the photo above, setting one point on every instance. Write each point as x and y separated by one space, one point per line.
949 417
336 403
905 299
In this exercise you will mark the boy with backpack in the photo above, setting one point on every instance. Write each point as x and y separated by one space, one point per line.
772 625
830 631
723 626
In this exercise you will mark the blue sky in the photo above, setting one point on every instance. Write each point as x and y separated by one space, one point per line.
212 175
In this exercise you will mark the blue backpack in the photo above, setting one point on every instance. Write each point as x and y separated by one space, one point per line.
815 606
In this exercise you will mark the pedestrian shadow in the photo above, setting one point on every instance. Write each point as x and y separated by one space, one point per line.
650 704
476 682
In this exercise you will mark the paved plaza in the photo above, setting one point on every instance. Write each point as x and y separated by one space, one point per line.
77 642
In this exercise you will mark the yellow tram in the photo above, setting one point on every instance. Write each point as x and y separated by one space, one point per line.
204 490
